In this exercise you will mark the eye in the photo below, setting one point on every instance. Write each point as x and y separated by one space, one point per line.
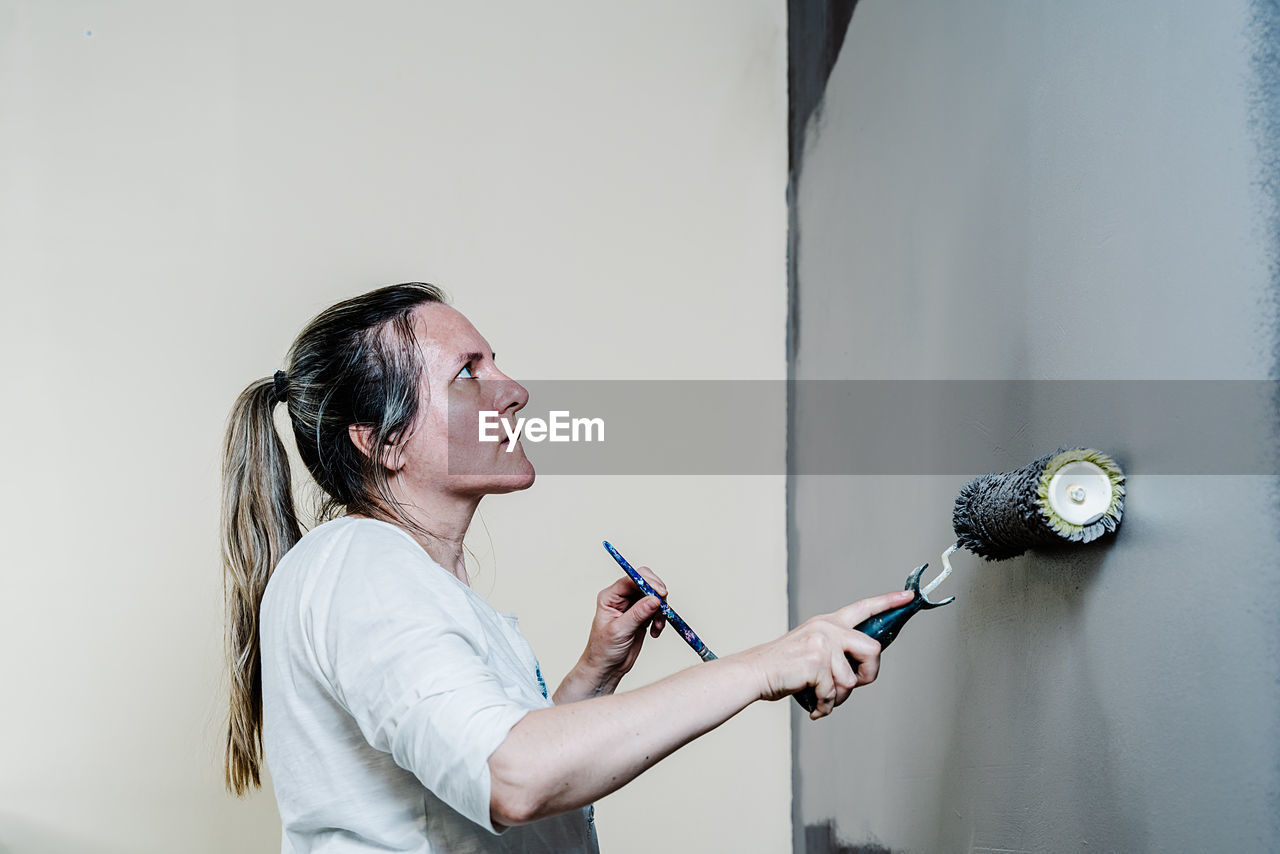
465 373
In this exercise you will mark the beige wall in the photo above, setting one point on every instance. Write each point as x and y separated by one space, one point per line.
601 188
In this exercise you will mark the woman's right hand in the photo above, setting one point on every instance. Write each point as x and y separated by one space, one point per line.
566 756
813 655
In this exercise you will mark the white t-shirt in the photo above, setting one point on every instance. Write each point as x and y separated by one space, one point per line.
386 685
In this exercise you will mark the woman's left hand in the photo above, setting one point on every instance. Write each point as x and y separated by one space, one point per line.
623 612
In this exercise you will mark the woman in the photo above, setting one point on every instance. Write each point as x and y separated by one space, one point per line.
396 709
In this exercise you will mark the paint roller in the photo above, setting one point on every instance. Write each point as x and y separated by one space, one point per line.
1070 496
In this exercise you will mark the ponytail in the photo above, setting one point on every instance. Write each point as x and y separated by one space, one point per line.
357 362
258 526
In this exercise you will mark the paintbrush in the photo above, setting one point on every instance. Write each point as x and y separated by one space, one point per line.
673 618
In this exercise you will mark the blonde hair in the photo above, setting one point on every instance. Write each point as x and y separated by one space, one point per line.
357 362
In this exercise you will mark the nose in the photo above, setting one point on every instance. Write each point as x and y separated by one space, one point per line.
509 395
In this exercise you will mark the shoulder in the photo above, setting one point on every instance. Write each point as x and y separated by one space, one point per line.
377 595
353 546
353 562
372 537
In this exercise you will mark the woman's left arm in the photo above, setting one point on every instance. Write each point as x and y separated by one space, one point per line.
623 613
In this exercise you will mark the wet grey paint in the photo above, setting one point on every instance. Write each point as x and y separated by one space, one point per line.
1264 120
824 838
1014 190
815 36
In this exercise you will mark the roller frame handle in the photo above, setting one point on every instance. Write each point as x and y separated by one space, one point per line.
883 627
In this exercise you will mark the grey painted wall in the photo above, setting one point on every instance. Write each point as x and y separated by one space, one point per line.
1031 190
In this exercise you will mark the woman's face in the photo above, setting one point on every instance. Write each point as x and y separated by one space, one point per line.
444 454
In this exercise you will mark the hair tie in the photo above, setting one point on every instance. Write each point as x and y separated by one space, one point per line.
281 387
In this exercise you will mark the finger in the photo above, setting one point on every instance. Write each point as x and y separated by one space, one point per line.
622 590
658 624
639 614
845 678
655 582
850 615
865 653
825 692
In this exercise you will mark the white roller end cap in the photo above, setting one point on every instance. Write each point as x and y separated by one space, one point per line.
1080 492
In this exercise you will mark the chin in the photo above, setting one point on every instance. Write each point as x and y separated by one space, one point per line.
512 482
496 483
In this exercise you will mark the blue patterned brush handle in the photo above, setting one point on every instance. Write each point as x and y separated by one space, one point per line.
673 618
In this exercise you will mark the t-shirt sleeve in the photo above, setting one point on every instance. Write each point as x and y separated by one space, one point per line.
406 655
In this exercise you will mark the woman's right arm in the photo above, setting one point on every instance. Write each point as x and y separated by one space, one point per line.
564 757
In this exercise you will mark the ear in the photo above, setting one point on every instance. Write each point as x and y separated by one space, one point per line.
363 436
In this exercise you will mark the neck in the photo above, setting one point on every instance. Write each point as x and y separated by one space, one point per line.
445 519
